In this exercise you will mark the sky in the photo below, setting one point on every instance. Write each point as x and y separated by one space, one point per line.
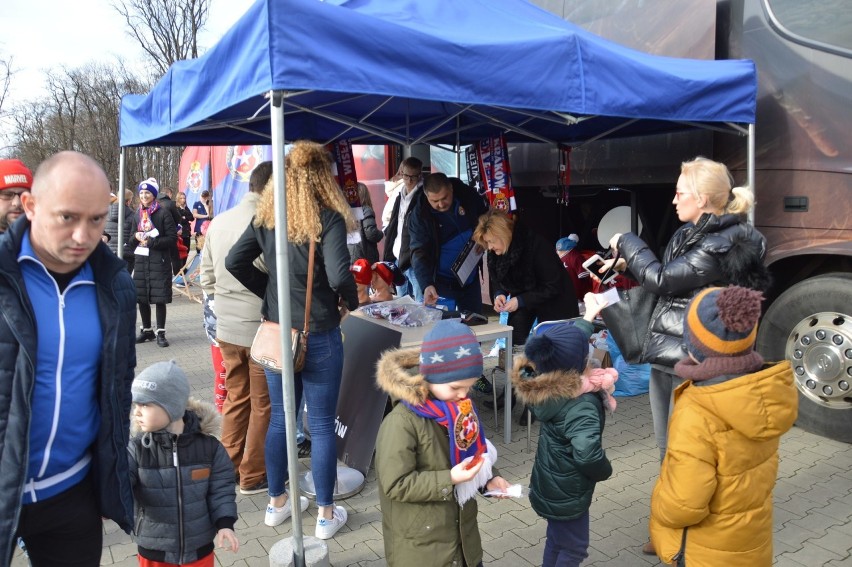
44 34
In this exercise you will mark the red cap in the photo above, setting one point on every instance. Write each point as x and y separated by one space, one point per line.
362 271
389 273
13 173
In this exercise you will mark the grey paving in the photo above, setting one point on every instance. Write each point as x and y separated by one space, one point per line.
813 495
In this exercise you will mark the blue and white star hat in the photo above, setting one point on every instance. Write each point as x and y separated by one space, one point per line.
450 352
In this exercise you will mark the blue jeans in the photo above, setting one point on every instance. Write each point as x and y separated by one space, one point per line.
414 288
320 382
661 395
567 542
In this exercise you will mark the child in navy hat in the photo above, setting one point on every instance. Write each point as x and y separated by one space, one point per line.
181 475
568 398
431 453
712 504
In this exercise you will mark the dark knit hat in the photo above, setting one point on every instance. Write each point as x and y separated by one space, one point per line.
389 272
15 175
450 352
150 185
722 322
164 384
362 271
562 346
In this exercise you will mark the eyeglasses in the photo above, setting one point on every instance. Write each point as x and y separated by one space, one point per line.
411 177
10 195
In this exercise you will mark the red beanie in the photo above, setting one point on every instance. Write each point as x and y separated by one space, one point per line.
362 271
13 173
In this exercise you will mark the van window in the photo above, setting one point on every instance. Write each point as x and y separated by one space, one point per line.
820 21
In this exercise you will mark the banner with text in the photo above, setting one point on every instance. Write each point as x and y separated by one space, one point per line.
493 157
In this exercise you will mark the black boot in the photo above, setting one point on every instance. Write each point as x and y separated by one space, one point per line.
488 402
145 335
161 338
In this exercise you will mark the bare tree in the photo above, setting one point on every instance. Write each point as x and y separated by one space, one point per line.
6 73
167 30
80 112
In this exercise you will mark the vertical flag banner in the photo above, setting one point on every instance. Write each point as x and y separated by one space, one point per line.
474 178
194 172
347 178
493 156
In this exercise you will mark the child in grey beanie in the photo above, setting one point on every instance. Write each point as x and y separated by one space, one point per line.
175 451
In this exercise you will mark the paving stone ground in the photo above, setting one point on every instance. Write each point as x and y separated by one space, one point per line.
813 495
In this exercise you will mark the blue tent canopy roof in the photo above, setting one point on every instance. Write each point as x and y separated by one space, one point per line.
409 71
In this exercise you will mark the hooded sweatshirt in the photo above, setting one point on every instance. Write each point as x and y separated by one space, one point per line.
714 495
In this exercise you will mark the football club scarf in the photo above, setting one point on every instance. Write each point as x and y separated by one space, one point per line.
466 439
145 224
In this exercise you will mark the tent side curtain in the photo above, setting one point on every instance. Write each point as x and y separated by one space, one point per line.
433 71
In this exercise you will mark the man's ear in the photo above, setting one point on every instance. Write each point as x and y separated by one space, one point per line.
28 204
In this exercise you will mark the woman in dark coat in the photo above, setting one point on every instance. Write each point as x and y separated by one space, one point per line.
186 219
152 243
368 231
129 228
527 277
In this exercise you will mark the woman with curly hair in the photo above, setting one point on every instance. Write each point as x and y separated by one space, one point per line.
316 211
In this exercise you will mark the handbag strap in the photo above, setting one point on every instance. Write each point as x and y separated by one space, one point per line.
310 292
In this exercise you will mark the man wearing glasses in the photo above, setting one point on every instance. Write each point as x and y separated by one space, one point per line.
15 178
396 231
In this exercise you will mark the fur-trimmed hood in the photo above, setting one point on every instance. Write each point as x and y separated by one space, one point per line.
394 376
549 386
203 416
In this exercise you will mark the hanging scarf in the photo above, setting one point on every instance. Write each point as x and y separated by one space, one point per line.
145 224
466 439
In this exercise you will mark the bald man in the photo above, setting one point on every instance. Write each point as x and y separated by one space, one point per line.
67 356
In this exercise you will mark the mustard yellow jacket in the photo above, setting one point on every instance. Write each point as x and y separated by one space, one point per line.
714 494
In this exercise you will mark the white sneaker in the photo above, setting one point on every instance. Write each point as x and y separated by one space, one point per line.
275 516
327 528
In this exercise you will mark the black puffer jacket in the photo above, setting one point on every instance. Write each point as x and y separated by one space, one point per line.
717 250
111 228
183 487
152 274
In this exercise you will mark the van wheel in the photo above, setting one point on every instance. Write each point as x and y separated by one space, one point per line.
810 325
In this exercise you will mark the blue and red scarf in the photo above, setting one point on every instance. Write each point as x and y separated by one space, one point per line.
145 224
462 424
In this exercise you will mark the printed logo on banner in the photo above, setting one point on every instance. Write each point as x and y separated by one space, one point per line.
493 157
242 160
195 177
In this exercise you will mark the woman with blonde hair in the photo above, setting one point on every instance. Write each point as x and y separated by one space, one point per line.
316 211
715 247
527 277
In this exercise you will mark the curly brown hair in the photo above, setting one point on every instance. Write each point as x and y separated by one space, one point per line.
310 187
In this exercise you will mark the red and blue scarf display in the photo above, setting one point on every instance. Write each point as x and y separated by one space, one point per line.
462 424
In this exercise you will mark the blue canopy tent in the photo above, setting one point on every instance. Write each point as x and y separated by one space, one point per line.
412 71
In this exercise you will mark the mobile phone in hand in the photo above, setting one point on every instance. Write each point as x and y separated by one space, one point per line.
594 264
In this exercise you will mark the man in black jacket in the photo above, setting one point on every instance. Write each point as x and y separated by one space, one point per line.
442 220
67 355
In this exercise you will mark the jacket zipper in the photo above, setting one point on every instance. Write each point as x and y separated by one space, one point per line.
179 495
680 554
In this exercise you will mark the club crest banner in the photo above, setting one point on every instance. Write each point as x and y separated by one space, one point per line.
493 158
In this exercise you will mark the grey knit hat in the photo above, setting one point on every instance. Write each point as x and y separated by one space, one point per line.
164 384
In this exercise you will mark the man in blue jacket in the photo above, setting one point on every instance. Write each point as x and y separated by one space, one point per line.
67 355
444 215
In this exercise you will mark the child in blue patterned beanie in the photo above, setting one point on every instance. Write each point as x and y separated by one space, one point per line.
431 454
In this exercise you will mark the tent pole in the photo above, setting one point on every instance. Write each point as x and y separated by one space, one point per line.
750 166
119 245
282 272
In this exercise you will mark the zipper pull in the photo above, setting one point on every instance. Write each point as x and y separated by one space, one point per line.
174 451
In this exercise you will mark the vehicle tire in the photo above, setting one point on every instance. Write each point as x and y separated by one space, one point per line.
810 325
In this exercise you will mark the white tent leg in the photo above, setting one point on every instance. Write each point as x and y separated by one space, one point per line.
750 166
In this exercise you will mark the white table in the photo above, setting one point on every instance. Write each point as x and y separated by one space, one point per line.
413 337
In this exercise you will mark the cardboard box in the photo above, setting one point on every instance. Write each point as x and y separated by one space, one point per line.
602 356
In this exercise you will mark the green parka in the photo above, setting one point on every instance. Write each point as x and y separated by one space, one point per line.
570 458
422 523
